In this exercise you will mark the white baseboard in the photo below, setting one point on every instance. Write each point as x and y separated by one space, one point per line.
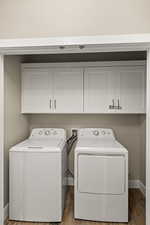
70 181
142 188
139 185
132 184
6 212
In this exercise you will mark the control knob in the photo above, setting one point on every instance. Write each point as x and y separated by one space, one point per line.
40 132
103 132
96 132
47 132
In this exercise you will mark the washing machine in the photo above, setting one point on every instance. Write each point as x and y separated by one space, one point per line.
37 169
101 176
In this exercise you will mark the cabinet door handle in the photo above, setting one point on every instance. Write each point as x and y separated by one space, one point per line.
119 107
50 103
113 105
118 104
55 103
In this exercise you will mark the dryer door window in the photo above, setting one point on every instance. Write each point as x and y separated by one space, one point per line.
99 174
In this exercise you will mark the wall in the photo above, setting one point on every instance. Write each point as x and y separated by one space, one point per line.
16 125
38 18
126 127
143 149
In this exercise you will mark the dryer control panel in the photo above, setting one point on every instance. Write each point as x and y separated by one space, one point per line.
96 133
48 133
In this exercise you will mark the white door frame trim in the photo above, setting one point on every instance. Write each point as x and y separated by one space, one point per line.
77 40
148 141
1 139
76 44
109 43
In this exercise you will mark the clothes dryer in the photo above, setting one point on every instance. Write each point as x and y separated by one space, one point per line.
101 176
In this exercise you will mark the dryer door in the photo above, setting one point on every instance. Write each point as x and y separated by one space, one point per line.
100 174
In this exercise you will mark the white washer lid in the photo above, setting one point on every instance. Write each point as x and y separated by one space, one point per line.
40 145
107 146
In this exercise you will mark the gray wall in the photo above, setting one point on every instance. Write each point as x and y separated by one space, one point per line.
143 149
38 18
127 130
16 125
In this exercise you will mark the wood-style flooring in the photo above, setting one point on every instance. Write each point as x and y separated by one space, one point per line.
136 211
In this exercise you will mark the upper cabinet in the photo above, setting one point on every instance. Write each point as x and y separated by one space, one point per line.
37 90
52 90
114 89
87 88
96 90
132 89
68 90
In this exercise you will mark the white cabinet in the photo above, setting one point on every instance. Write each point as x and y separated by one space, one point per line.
68 90
96 90
101 90
36 91
114 89
132 89
52 90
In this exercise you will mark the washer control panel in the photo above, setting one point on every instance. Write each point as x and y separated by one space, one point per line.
96 133
48 133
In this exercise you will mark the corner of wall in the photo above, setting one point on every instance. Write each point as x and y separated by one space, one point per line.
16 124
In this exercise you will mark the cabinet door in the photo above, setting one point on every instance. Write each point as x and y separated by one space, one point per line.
113 90
36 91
132 89
96 90
68 90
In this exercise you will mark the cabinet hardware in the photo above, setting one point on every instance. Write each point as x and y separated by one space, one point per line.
55 103
118 103
113 105
119 107
50 103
